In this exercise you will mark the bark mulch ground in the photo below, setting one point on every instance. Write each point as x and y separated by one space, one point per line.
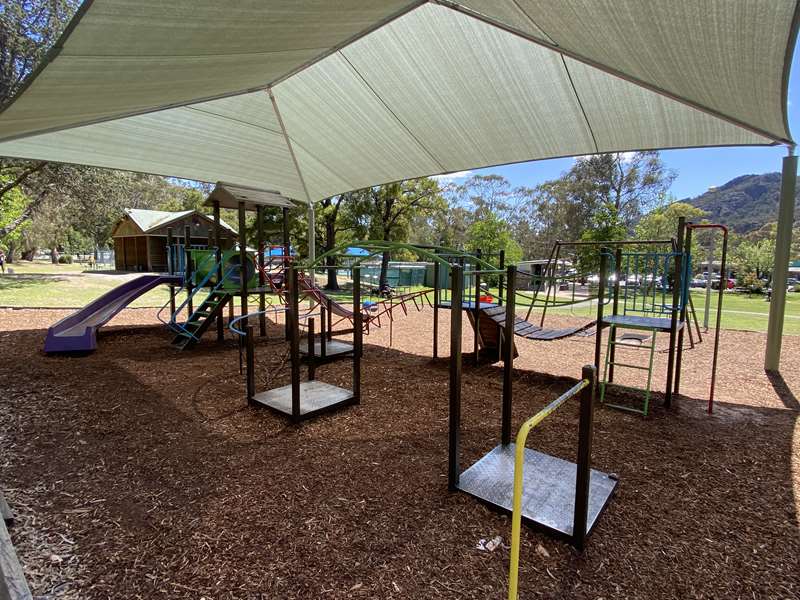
139 472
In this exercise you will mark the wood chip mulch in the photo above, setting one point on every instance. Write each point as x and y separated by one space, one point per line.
139 472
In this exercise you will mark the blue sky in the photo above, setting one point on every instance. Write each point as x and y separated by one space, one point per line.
697 169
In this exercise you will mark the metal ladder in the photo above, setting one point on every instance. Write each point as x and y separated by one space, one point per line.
610 364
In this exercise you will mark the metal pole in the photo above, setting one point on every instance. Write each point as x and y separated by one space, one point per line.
708 286
723 285
436 309
612 349
676 299
311 356
684 305
358 335
171 269
293 318
218 256
476 310
500 281
508 358
187 263
783 241
601 292
311 233
582 484
262 302
323 335
453 458
286 254
251 361
242 262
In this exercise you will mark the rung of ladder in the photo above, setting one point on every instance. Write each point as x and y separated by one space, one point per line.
615 343
626 365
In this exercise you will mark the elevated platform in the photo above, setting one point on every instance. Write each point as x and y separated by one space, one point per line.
333 348
548 500
315 397
466 304
638 322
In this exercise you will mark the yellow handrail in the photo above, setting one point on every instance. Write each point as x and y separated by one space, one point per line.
519 463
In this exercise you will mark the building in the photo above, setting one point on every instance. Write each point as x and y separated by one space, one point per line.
140 236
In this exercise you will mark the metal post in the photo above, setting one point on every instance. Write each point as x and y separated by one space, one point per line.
783 241
171 269
683 312
323 335
358 333
601 292
262 301
476 310
582 484
612 333
723 285
187 262
242 262
251 362
286 254
508 358
312 240
436 309
292 317
454 460
311 355
707 310
218 256
500 279
676 299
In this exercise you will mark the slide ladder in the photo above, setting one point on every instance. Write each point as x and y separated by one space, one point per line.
190 332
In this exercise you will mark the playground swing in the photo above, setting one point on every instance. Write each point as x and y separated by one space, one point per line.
560 497
303 400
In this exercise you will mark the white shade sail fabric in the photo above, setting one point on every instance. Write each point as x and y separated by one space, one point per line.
312 98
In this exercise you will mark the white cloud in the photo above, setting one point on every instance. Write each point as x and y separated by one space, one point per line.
449 177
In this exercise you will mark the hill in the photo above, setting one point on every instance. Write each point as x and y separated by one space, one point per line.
745 203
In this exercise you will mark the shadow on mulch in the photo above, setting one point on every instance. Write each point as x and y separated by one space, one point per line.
170 486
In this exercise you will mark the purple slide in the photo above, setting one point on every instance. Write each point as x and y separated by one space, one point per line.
78 332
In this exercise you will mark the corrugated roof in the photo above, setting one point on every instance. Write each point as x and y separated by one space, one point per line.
149 220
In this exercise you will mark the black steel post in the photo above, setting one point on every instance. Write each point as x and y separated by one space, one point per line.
293 318
286 252
508 358
683 312
612 332
476 309
584 462
250 364
262 300
243 261
218 256
436 309
454 460
676 297
187 261
323 335
601 292
171 268
358 333
311 357
500 279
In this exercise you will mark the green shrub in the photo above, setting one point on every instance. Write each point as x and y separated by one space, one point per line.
65 259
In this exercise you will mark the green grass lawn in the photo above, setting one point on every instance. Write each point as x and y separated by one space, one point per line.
42 284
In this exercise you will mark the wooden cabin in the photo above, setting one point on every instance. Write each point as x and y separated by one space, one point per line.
140 236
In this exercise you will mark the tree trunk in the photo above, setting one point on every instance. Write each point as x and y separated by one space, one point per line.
384 279
54 255
29 254
12 248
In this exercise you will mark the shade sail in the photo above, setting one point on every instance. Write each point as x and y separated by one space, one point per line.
312 98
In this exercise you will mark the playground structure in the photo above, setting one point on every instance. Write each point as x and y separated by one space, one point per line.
562 498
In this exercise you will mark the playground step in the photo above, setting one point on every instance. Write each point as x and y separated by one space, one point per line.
629 345
628 366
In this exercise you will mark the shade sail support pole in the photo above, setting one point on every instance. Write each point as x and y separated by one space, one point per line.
287 139
783 242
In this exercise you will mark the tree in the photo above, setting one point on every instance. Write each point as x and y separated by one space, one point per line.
755 256
386 212
490 235
662 223
330 218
